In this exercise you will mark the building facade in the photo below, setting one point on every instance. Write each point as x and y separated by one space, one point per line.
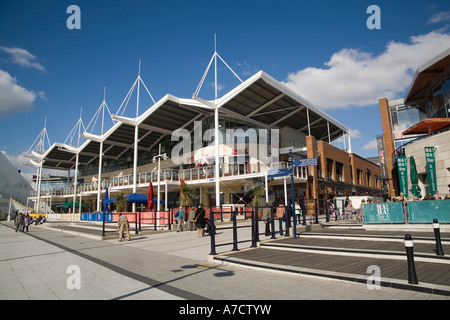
259 124
415 126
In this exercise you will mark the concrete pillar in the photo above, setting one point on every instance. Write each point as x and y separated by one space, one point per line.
313 186
388 143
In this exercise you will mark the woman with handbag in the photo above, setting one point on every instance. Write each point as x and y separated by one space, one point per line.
199 221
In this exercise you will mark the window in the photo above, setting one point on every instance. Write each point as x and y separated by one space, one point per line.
339 170
407 117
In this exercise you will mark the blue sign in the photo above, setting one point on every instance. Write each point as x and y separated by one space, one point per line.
305 162
278 173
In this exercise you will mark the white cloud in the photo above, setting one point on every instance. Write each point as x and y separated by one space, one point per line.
439 17
23 58
371 145
14 98
356 78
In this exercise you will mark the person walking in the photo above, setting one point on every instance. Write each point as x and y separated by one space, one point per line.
179 215
199 221
26 222
281 214
19 222
124 225
191 219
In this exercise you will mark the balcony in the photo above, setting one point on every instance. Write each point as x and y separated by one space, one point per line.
193 175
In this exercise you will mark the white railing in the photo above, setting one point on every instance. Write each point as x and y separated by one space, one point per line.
174 175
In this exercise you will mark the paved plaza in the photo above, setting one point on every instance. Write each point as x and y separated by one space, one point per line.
49 263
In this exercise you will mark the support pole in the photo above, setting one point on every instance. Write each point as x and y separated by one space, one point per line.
212 233
136 136
39 179
437 235
266 182
409 246
99 189
75 182
216 147
293 195
235 245
158 207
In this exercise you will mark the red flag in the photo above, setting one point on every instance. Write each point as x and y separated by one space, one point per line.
150 197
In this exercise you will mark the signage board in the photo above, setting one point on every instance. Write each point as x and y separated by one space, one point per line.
384 212
305 162
431 169
278 173
403 175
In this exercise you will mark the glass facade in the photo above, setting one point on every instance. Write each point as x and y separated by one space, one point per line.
403 117
146 157
438 101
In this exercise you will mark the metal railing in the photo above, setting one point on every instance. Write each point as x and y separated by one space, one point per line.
173 175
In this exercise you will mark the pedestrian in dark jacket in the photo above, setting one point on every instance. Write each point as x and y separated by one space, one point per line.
199 220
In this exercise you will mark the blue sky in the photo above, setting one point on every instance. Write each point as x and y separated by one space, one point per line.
322 49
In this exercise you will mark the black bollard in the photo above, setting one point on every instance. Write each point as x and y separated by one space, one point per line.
136 223
233 217
316 211
253 229
272 223
409 246
212 234
140 220
437 236
103 224
287 219
256 225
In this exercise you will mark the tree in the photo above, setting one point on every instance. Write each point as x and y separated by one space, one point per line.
257 195
121 202
187 195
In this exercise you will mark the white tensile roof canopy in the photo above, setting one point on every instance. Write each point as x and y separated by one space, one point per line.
260 100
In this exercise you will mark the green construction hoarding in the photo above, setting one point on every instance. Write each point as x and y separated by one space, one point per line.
384 212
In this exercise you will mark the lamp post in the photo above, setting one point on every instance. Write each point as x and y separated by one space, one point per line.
293 193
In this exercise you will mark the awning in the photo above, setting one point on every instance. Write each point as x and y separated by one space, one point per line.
428 126
136 198
260 100
70 205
